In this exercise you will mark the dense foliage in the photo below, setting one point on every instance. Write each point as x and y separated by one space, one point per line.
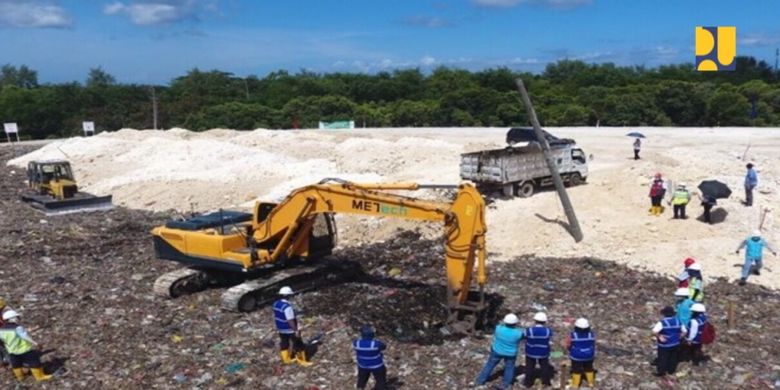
567 93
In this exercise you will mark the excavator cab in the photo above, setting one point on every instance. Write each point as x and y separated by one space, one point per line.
323 236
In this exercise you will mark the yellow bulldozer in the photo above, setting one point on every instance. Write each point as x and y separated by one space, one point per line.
52 189
287 244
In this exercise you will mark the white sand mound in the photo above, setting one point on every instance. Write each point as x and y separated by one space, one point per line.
180 169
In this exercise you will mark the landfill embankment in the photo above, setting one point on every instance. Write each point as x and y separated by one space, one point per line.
83 283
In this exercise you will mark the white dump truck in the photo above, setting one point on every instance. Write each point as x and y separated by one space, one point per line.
520 168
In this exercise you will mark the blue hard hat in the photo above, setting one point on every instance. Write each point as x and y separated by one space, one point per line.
366 331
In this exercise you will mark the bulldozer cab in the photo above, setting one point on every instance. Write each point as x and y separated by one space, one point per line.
44 172
51 177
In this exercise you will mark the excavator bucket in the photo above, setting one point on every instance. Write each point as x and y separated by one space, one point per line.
80 202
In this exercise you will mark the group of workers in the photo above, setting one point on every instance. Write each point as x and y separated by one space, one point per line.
679 199
292 349
682 327
580 344
17 346
682 196
754 244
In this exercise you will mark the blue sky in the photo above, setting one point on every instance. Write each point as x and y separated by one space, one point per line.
152 41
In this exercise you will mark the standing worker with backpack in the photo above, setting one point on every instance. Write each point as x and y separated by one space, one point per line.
657 192
695 332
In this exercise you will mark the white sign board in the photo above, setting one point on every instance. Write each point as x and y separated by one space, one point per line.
89 127
11 128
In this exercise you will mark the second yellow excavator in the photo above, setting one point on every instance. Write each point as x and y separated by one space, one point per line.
280 244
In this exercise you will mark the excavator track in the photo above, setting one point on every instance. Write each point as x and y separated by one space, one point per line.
249 295
181 282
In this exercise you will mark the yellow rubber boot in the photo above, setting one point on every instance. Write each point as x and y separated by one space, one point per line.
39 375
285 354
575 380
590 376
302 360
19 373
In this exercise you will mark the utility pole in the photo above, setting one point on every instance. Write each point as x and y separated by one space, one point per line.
574 224
154 108
246 89
777 54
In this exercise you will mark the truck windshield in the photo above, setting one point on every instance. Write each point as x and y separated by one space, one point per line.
578 156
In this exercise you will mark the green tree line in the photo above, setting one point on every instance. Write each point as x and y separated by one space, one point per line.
566 93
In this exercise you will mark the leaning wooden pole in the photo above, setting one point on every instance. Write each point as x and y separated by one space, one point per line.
574 224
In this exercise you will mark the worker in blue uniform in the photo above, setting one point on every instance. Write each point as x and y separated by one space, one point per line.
370 360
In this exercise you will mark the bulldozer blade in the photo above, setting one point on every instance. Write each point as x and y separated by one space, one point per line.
82 202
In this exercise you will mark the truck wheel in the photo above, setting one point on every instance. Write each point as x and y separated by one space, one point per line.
575 179
526 189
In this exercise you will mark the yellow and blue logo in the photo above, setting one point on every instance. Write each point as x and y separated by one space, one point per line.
716 48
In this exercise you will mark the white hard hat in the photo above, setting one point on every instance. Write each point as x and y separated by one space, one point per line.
757 233
681 292
698 308
695 267
511 319
9 315
285 291
540 317
681 184
581 323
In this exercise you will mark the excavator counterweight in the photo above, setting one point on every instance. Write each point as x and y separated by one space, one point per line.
288 244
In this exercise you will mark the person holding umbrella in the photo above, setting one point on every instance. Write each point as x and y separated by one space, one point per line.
707 202
711 191
637 143
637 148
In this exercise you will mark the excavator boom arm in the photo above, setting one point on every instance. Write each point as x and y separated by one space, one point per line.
463 219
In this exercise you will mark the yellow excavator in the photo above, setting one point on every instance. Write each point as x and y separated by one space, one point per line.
288 244
53 189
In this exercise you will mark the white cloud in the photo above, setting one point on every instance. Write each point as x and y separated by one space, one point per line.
426 21
428 61
758 40
154 12
558 4
523 61
34 14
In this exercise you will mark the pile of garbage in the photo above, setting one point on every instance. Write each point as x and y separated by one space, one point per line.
83 284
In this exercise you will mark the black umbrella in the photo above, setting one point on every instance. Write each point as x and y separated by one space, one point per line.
636 135
714 189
